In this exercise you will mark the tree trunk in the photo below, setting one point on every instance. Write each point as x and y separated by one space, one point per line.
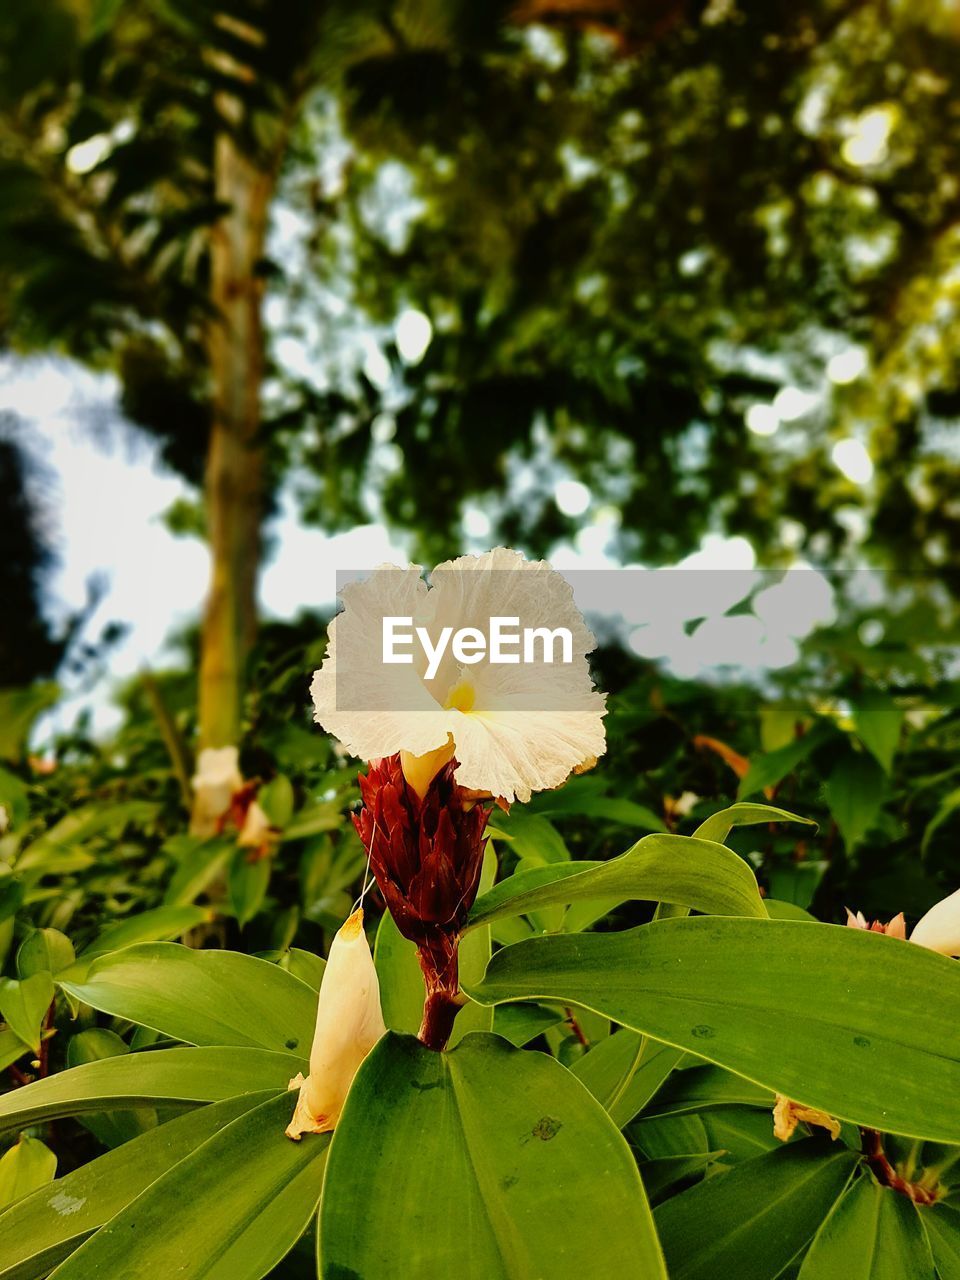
234 475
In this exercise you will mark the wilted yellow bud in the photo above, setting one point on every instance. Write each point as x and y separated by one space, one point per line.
787 1114
939 929
349 1024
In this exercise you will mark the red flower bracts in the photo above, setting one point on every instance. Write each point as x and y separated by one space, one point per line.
426 857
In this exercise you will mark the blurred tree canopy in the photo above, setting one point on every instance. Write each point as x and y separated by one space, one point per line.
634 229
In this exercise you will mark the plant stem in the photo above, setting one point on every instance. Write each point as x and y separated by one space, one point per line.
444 999
887 1175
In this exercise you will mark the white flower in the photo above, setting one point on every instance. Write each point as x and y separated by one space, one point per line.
257 830
349 1024
217 778
514 729
939 929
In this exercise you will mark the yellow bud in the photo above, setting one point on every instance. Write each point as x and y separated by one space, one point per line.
349 1024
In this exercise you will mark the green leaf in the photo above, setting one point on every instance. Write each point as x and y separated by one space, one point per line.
521 1023
276 800
11 895
111 1127
202 997
850 1022
13 797
247 885
42 1230
754 1219
779 910
586 797
303 965
23 1006
313 821
662 1137
198 870
51 853
743 1132
400 977
719 825
699 1087
138 1079
945 811
679 869
768 770
878 721
44 951
484 1163
230 1210
27 1165
531 837
624 1071
159 925
855 791
18 710
11 1048
873 1233
943 1231
661 1176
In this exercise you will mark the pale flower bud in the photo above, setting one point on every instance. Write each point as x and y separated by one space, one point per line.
349 1024
939 929
215 781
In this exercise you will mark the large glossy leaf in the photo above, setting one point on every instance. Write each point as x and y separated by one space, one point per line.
719 825
873 1234
659 868
752 1221
42 1229
168 1075
851 1022
483 1163
229 1211
203 997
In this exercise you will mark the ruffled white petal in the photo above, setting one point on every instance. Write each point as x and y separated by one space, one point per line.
525 727
375 709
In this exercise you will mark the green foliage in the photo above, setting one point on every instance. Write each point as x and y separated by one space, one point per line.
518 1142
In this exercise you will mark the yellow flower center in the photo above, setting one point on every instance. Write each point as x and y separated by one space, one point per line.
461 697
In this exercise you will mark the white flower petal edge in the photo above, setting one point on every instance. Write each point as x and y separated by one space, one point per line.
349 1024
939 929
515 729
